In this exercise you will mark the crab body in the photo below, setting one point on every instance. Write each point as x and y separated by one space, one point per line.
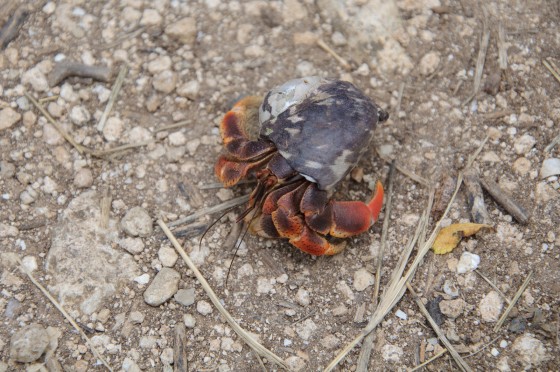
312 133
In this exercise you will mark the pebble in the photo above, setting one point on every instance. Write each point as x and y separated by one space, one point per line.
55 109
494 352
83 178
67 93
392 353
302 297
29 343
189 321
29 263
167 256
184 30
165 81
452 308
150 17
204 307
185 297
142 279
401 315
7 170
306 68
295 363
147 342
163 287
51 135
363 279
503 344
524 144
159 64
189 90
8 117
529 351
113 129
132 245
305 329
8 231
79 115
265 285
490 307
522 166
177 139
136 317
429 63
225 194
28 196
36 78
550 167
166 356
330 342
468 262
450 288
137 222
192 146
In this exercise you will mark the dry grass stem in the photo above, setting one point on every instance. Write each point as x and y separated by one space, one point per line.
497 114
480 60
502 47
176 125
114 150
66 315
460 362
502 198
513 302
551 66
483 347
397 285
211 210
260 349
180 361
551 145
475 197
219 185
81 149
428 361
493 286
413 176
105 208
112 98
338 58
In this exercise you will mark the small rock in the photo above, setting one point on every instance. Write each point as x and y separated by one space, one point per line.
28 196
142 279
177 139
164 285
306 328
67 93
79 115
166 356
529 351
254 51
189 90
429 63
264 286
305 68
8 231
113 129
29 263
36 78
522 166
185 297
392 353
159 64
55 109
550 167
147 342
136 317
450 288
224 194
132 245
490 307
204 307
192 146
189 321
137 222
363 279
468 262
330 342
83 178
302 297
51 135
29 343
167 256
184 30
338 39
524 144
295 363
401 315
150 17
7 169
8 117
165 81
452 308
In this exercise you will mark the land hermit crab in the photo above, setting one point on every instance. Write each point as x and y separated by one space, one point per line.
312 132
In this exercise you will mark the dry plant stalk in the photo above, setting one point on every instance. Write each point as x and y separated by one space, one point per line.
338 58
502 47
258 348
508 203
551 66
513 302
481 59
211 210
112 98
475 198
428 361
66 315
494 287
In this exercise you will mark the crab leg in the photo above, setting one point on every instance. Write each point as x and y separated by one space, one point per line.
340 219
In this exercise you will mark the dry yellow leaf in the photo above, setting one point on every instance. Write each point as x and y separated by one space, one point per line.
450 236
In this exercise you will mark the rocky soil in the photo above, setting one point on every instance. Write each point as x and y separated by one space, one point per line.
82 222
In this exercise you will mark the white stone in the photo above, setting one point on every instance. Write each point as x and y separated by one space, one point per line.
132 245
159 64
79 115
401 314
468 262
524 144
184 30
550 167
490 307
165 81
163 287
113 129
142 279
204 307
302 297
189 321
392 353
189 90
530 351
36 78
29 263
429 63
150 17
137 222
306 329
8 117
167 256
83 178
177 139
363 279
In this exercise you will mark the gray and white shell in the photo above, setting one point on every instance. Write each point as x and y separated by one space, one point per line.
320 126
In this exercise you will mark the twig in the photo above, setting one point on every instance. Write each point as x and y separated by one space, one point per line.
505 201
428 361
552 68
66 315
339 59
413 176
513 302
475 198
211 210
460 362
180 361
178 124
65 69
12 26
260 349
493 286
219 185
502 47
483 347
81 149
551 145
114 93
102 153
480 60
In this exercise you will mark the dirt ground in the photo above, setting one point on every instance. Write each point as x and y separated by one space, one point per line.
187 63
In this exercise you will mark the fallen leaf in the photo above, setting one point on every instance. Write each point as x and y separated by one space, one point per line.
450 236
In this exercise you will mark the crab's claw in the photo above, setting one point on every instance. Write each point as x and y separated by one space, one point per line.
376 202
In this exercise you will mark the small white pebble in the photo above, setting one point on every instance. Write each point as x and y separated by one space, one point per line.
468 262
494 352
189 320
287 342
401 314
204 307
142 279
503 344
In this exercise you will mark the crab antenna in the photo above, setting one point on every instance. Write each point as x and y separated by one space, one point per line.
376 202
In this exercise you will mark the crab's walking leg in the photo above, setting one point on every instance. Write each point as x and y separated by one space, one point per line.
340 219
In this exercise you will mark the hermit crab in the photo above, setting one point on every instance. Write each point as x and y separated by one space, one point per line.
312 132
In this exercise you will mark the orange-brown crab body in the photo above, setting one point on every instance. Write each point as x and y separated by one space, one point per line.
313 131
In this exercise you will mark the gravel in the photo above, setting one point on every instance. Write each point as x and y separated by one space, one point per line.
163 287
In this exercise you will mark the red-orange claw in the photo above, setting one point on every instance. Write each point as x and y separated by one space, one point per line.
376 202
230 172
